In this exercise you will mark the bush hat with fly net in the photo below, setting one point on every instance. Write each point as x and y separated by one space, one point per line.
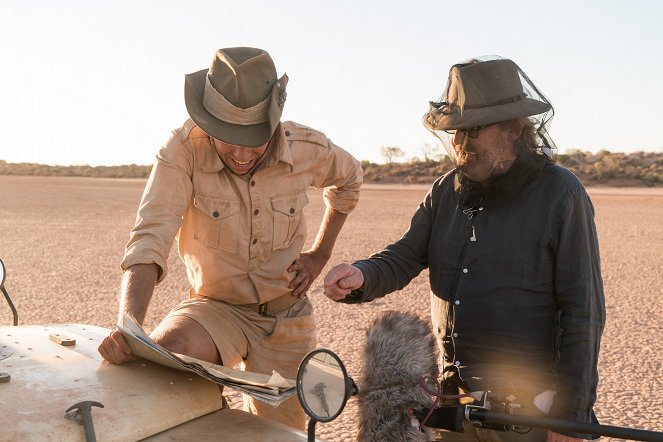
239 99
488 90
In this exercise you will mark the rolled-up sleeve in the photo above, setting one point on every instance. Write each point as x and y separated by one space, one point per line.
165 198
342 180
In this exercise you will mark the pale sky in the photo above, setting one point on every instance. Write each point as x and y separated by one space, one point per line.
101 82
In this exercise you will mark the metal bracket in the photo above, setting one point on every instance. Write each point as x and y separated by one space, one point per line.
62 339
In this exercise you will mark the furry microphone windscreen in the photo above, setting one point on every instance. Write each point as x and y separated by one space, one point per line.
400 348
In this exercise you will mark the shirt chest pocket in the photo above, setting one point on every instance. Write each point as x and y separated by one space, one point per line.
217 222
287 214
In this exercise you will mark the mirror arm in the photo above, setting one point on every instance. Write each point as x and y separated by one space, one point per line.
11 304
311 430
352 388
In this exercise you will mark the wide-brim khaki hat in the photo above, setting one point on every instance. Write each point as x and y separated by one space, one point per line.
239 99
482 93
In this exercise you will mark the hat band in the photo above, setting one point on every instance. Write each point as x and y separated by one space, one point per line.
497 103
217 105
446 108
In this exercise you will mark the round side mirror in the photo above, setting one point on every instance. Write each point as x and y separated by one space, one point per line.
2 273
323 385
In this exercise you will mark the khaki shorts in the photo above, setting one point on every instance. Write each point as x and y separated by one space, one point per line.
262 343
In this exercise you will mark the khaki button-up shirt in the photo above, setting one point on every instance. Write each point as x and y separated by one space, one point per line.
237 234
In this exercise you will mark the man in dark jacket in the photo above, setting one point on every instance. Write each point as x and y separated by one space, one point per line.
510 243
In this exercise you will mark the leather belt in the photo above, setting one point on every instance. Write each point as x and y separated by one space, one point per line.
274 306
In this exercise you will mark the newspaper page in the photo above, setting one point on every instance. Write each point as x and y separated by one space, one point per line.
272 389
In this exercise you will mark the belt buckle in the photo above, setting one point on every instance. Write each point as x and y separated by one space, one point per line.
262 309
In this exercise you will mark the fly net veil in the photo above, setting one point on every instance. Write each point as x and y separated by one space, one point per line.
487 90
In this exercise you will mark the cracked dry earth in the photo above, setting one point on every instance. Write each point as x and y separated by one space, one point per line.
62 240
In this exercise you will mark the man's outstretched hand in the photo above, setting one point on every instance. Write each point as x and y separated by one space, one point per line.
341 280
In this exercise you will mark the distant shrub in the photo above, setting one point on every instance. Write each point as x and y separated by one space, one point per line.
129 171
602 168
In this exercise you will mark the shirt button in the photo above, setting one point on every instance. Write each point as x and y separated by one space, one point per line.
457 302
215 214
257 211
455 335
457 363
464 270
255 240
287 133
253 183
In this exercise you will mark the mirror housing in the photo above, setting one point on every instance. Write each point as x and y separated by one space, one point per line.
323 385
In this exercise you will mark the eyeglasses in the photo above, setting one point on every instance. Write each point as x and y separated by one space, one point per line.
471 132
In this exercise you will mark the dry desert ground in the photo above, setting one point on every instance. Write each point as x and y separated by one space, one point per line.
62 240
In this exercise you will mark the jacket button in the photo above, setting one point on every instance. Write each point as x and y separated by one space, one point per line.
257 211
215 214
292 210
253 183
287 133
255 240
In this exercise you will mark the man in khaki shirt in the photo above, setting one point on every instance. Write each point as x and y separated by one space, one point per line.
230 185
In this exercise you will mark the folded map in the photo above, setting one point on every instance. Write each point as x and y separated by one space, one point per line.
272 389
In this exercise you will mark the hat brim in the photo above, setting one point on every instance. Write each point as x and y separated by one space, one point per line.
489 115
254 135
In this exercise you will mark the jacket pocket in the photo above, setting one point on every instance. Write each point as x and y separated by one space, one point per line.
287 213
217 222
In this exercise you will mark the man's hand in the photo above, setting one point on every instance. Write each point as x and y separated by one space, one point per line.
115 349
310 263
341 280
556 437
307 267
138 283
